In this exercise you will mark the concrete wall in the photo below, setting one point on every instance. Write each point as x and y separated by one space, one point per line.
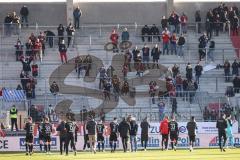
43 13
142 13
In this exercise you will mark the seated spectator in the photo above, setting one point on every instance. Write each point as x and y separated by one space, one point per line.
54 89
145 33
154 32
19 49
114 39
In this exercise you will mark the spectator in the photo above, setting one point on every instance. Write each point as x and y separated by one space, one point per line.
211 50
127 59
60 30
125 35
15 23
114 39
54 89
161 107
152 90
209 28
70 33
173 44
145 33
226 67
189 72
42 39
19 50
24 12
236 84
171 22
49 38
234 25
179 85
198 71
184 20
107 89
135 53
235 66
174 105
38 50
63 51
26 64
77 13
180 45
29 48
7 24
175 70
88 64
155 53
154 31
13 116
125 88
217 24
102 76
164 23
146 53
125 71
165 38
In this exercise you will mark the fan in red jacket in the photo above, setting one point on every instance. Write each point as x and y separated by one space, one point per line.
114 39
164 130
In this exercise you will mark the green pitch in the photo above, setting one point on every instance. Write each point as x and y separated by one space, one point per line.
197 154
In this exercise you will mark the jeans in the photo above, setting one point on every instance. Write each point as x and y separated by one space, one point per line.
76 22
180 50
24 18
172 28
173 48
165 47
179 90
210 54
133 141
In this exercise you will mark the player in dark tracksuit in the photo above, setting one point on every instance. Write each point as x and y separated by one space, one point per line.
174 132
29 128
47 131
221 126
100 136
70 138
191 127
62 136
113 134
40 135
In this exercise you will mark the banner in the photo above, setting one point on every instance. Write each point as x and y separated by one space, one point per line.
154 142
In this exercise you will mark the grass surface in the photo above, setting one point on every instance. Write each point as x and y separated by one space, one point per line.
197 154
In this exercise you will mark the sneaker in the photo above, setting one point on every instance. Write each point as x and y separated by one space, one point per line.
75 153
26 153
175 148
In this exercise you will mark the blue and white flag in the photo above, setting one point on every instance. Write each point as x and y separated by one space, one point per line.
13 95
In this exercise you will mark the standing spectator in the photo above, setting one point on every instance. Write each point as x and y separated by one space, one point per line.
217 24
180 45
174 105
7 24
184 20
235 66
63 51
144 133
211 50
125 35
13 116
42 39
49 38
24 12
70 33
38 50
26 64
60 30
152 90
189 72
234 25
102 76
236 84
154 32
173 44
54 89
15 23
171 22
175 70
209 28
124 130
125 71
164 130
133 134
226 67
127 59
145 33
92 131
114 39
29 48
198 72
107 89
77 13
146 53
165 38
19 50
179 85
164 22
161 107
155 53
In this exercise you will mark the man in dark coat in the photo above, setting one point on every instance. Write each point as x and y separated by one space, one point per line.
145 33
198 72
144 133
77 13
24 15
133 134
124 130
